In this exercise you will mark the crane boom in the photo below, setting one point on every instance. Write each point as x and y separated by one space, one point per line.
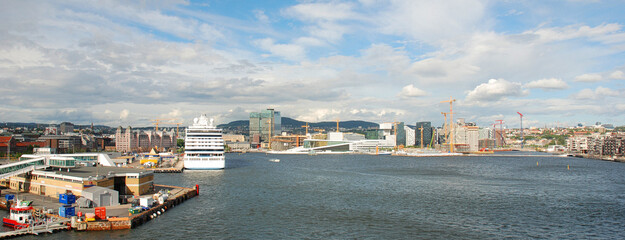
522 139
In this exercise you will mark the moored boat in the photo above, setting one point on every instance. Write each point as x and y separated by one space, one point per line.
204 146
21 215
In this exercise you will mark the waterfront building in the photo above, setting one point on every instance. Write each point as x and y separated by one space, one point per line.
607 145
466 137
51 182
427 133
234 138
486 138
238 146
400 134
264 125
410 136
141 141
393 133
577 144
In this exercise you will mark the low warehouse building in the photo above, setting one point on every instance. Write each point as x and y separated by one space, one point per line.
50 182
101 196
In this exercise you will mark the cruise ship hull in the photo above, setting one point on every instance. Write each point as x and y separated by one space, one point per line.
205 164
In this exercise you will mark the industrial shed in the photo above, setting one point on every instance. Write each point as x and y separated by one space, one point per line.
101 196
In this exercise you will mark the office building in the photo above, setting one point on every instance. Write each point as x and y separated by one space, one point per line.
263 125
427 133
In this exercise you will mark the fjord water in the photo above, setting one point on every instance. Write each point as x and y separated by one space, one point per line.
388 197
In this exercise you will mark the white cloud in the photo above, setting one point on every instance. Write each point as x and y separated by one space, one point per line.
496 89
433 22
617 75
287 51
321 12
124 114
576 31
410 91
260 15
589 77
548 84
602 91
598 93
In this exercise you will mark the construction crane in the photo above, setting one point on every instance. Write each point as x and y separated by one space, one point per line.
161 120
337 124
445 126
451 121
521 115
306 126
177 129
421 128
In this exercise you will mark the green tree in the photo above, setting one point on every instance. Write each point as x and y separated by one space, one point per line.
226 148
180 143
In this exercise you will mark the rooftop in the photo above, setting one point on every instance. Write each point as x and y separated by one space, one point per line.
86 172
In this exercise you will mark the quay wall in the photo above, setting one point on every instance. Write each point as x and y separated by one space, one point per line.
147 215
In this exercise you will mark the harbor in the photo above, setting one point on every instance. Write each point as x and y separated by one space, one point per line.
389 197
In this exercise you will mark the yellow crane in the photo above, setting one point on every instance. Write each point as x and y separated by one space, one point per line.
177 129
451 121
161 120
318 129
421 128
306 126
445 127
337 125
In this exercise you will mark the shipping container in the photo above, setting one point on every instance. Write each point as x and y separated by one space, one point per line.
66 211
100 213
67 198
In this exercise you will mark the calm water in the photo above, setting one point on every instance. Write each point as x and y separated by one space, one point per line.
385 197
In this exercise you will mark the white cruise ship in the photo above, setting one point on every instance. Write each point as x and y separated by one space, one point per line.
204 146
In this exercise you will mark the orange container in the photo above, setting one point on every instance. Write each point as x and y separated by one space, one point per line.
100 213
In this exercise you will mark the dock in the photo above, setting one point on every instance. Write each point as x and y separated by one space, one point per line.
134 220
177 168
115 222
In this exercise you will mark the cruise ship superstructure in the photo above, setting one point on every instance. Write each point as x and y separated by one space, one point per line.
204 146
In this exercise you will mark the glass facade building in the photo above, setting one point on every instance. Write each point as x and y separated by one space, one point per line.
427 133
264 122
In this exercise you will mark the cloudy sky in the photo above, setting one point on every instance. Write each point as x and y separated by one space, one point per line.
126 62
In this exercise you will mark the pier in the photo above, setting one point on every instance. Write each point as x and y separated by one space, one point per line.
177 168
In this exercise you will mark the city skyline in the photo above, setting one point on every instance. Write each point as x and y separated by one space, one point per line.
125 63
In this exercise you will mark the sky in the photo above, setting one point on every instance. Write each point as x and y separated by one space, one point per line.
559 63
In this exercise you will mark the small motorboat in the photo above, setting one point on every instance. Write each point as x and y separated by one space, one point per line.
274 160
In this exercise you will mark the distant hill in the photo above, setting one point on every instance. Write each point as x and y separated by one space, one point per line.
289 124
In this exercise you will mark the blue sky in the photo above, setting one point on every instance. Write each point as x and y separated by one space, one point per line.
124 63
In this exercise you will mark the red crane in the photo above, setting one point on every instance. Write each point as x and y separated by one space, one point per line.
521 115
